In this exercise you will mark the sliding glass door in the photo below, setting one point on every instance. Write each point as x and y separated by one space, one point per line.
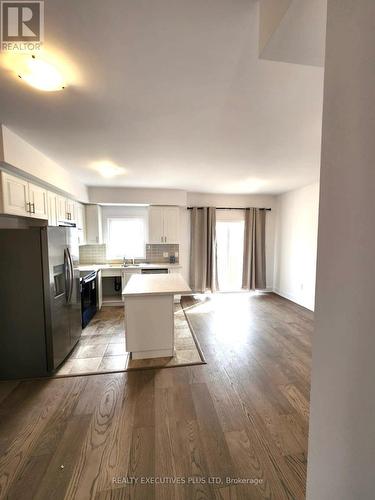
230 227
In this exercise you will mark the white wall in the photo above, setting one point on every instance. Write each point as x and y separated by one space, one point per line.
271 13
342 438
20 154
296 244
137 195
238 200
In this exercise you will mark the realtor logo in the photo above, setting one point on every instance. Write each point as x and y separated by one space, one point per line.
22 25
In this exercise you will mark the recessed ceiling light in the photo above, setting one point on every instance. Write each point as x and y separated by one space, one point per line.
41 75
108 169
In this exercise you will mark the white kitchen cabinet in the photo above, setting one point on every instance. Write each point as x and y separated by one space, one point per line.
163 225
52 208
38 202
155 225
127 274
70 210
23 198
14 195
61 208
171 217
94 229
99 289
20 197
80 215
80 221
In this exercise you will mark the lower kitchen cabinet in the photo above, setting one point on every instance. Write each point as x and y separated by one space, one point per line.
99 289
127 274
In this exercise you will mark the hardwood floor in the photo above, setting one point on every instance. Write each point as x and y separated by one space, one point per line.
193 430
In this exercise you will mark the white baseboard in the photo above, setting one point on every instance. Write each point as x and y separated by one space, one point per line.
293 298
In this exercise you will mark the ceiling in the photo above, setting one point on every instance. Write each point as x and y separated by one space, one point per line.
174 92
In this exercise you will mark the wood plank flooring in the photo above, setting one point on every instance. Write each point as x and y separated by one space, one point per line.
235 428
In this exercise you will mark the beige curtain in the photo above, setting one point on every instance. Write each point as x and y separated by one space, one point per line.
254 255
203 264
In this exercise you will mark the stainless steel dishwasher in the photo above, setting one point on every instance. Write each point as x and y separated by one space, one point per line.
159 270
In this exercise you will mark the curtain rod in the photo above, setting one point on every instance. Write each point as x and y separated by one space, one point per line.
230 208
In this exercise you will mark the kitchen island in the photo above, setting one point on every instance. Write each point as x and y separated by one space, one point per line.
149 313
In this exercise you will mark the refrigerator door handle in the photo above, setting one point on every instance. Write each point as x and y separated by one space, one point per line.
71 274
67 275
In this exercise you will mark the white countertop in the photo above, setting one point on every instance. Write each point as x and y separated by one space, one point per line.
156 284
97 267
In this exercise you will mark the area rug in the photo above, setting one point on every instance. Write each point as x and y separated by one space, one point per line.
101 348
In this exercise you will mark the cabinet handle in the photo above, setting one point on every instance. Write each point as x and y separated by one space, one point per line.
28 207
33 205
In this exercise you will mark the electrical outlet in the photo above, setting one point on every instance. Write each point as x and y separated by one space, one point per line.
165 254
176 254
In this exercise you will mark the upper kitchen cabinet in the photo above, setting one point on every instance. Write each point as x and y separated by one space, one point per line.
61 208
80 215
94 230
19 197
155 225
38 202
163 225
81 222
52 208
14 195
171 225
66 209
70 209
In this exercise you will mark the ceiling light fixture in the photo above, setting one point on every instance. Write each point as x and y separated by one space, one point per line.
108 169
41 75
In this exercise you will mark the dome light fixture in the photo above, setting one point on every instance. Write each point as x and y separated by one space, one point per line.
41 75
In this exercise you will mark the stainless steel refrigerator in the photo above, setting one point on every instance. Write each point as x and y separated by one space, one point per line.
40 301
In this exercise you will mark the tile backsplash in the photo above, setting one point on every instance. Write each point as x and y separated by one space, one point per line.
154 253
96 254
92 254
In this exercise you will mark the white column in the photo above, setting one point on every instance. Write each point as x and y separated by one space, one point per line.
342 425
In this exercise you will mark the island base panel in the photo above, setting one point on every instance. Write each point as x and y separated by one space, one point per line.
149 325
161 353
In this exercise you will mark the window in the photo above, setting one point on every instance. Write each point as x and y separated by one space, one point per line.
126 237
